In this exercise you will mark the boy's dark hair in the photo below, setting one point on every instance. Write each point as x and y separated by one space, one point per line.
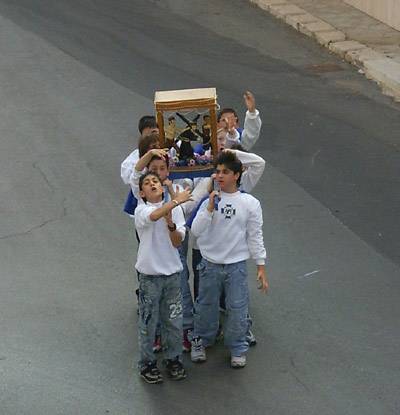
145 143
231 162
147 121
227 111
165 158
144 175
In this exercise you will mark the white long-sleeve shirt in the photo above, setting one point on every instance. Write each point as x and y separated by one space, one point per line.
232 233
156 254
128 166
254 168
250 133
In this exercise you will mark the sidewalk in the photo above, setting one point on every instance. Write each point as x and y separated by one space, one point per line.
353 35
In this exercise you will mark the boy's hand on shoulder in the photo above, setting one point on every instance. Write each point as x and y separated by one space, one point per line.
262 279
250 101
183 196
211 201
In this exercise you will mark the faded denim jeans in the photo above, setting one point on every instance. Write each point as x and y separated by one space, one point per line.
215 279
160 301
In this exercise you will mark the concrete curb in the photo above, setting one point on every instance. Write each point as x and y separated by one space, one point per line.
375 65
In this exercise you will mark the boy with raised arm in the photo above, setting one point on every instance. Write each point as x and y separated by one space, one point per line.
161 229
247 136
228 228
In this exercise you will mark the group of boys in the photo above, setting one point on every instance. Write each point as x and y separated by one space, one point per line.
224 223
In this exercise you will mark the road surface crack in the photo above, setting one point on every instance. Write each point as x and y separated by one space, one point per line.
41 225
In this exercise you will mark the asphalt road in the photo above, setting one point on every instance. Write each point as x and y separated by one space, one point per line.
75 77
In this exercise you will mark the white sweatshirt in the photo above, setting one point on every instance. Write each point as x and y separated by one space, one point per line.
156 254
250 134
232 233
128 166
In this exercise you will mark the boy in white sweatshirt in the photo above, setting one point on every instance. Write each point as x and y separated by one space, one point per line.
161 229
147 126
228 228
155 160
229 120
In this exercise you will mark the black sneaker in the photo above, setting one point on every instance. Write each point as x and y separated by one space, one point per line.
151 374
175 369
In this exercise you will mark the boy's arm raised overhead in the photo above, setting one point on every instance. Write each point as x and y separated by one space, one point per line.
140 166
204 217
252 122
143 162
254 168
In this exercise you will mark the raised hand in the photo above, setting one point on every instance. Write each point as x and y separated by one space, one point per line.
159 152
250 101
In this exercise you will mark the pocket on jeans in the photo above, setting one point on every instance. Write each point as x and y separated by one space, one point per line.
201 265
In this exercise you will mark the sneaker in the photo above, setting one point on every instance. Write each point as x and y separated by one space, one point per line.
186 345
150 373
157 344
251 338
198 352
175 369
238 361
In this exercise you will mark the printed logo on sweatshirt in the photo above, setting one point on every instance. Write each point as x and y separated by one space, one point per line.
228 211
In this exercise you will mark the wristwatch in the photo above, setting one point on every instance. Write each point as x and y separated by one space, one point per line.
172 228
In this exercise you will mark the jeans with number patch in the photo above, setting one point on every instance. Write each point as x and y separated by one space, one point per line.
215 279
160 300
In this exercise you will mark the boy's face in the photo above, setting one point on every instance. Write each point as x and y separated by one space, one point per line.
152 189
159 167
149 130
228 117
221 139
226 178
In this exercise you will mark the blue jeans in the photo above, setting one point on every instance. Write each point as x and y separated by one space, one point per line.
185 287
215 279
196 259
159 301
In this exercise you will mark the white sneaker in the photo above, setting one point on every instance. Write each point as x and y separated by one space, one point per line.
251 338
238 361
198 352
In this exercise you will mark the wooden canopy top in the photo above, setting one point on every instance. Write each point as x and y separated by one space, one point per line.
185 98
